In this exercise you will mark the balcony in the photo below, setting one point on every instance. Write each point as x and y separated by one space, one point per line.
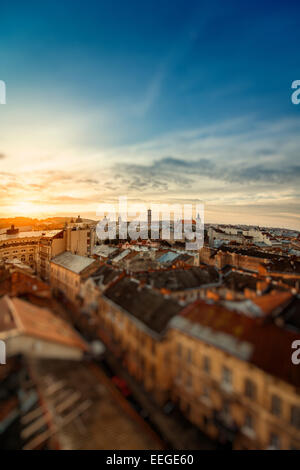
226 425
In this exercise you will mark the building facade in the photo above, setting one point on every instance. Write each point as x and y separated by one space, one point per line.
233 378
132 321
67 271
23 246
37 248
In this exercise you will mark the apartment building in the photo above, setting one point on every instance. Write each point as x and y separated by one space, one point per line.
23 246
77 238
80 237
133 321
216 234
253 235
48 248
67 271
37 248
234 378
250 259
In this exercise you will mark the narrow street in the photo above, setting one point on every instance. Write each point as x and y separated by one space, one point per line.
126 405
172 427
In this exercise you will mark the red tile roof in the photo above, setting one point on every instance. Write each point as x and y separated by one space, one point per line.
271 344
271 302
30 320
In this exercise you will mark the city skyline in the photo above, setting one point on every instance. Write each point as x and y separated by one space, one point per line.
189 103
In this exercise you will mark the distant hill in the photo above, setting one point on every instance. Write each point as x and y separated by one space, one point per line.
38 224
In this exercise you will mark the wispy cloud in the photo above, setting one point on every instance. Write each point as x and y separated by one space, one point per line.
170 169
236 163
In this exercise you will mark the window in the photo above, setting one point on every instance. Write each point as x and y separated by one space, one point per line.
249 422
274 441
226 377
205 392
179 349
295 416
276 405
206 364
226 409
189 381
189 355
250 389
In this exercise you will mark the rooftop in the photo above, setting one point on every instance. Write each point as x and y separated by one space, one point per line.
285 265
168 257
273 302
22 318
263 344
104 250
105 274
121 255
74 263
252 252
180 279
238 281
147 305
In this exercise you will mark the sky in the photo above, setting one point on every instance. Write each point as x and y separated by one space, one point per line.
159 101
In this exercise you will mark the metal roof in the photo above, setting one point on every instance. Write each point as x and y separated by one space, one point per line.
168 257
104 250
74 263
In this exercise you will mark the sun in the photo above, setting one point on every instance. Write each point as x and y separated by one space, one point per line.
24 209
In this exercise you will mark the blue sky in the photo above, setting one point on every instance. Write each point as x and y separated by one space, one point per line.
158 100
